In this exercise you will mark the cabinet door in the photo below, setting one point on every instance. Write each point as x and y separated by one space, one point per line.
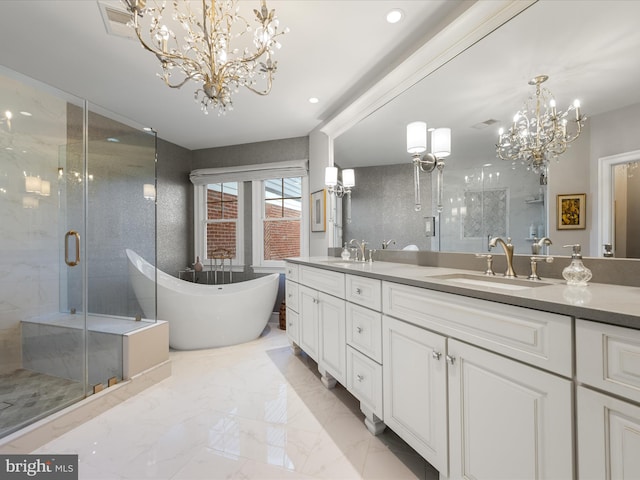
308 321
608 437
415 388
332 341
506 419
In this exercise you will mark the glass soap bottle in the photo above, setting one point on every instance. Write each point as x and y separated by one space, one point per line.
345 253
576 273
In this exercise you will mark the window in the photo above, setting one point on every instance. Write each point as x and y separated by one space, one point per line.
278 227
219 216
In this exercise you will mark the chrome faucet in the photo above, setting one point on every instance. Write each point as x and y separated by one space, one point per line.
386 243
539 244
508 254
362 245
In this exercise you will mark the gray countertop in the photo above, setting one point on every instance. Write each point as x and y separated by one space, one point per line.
612 304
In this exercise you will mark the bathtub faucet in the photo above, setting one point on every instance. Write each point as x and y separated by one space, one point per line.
362 245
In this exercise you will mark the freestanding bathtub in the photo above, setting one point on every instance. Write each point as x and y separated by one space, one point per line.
204 316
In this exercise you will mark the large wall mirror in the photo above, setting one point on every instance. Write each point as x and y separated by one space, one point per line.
588 49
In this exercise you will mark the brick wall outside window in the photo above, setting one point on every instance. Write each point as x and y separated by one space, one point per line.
281 236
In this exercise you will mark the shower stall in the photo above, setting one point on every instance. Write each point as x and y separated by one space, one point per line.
77 188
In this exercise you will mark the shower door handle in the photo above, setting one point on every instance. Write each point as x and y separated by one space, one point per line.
76 261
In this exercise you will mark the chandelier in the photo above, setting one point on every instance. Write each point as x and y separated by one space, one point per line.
539 132
204 52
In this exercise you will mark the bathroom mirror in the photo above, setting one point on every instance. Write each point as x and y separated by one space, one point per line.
591 56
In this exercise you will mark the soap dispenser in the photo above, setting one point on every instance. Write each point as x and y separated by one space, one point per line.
345 253
576 273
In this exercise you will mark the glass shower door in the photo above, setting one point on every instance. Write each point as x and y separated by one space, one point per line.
42 350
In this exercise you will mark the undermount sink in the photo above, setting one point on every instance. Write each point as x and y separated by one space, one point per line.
490 282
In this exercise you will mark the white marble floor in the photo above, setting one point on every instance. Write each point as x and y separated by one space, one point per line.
252 411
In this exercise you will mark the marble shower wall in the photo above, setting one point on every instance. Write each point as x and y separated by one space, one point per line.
29 262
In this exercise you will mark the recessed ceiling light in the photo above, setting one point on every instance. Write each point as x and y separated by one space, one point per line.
112 139
395 15
313 100
26 114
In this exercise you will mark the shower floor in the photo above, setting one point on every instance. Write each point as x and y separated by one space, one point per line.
26 396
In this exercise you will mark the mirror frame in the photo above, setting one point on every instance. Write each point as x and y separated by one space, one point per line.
469 27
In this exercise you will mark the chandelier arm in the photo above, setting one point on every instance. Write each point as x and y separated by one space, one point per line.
266 90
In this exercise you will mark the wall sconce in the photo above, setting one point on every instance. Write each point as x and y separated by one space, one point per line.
339 189
149 191
440 149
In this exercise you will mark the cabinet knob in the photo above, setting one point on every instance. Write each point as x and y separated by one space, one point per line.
360 377
291 324
436 355
290 295
359 329
358 291
450 359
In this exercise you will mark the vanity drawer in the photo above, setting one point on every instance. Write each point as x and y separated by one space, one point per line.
292 295
608 358
539 338
322 280
291 271
364 380
292 326
364 291
364 331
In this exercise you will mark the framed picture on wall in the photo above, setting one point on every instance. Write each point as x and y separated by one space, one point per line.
572 211
318 211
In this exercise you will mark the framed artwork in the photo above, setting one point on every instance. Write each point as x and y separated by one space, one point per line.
318 211
572 211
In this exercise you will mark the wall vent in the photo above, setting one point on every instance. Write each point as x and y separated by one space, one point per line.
485 124
115 20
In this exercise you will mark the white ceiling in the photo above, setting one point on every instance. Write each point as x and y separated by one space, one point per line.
335 49
589 49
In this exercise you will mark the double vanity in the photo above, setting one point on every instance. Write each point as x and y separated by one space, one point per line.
485 377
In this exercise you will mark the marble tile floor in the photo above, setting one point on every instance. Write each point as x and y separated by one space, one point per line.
252 411
26 395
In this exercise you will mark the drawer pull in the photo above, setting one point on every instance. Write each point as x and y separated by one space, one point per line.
359 329
358 291
450 359
360 377
436 355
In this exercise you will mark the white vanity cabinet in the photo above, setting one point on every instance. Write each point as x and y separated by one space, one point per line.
292 299
506 419
415 388
608 359
322 322
446 359
364 348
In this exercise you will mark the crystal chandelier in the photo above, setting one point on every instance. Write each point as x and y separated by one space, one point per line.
539 132
204 52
